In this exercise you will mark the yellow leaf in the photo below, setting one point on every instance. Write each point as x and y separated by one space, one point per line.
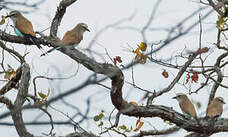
14 74
137 51
143 46
3 20
133 103
42 95
139 127
7 75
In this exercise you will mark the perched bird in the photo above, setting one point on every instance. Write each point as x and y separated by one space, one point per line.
215 108
23 27
185 105
72 37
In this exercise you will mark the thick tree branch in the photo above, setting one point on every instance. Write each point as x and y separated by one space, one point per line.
16 111
157 132
213 5
61 9
200 125
219 76
116 75
13 39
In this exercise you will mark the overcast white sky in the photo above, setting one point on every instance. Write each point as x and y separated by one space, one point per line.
98 14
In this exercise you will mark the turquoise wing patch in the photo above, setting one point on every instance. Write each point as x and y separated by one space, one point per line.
17 32
75 45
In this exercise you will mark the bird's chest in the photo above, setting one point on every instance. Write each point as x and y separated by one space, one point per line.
14 21
76 38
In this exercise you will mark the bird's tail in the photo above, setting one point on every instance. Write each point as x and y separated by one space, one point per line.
52 49
35 42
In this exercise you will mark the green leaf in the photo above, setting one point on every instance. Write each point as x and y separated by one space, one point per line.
42 95
220 22
101 124
96 118
3 20
101 115
198 105
123 127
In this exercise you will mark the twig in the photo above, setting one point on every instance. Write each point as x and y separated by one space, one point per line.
177 78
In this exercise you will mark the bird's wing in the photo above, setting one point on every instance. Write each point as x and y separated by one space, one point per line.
211 111
214 109
25 26
17 32
192 108
71 38
188 108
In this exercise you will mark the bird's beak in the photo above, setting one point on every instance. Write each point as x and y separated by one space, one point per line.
87 29
223 102
174 97
9 15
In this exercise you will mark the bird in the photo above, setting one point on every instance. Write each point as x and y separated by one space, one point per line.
215 108
186 105
72 37
23 27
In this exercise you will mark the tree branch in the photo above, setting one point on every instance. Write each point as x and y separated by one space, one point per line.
61 9
16 111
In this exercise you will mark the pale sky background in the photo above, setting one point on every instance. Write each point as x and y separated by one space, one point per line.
98 14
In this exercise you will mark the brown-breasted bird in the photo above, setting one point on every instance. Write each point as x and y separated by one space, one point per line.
185 105
23 27
72 37
215 108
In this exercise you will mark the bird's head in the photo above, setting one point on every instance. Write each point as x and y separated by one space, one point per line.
180 97
220 99
13 14
82 27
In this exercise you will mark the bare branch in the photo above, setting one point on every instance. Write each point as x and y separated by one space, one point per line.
176 79
12 51
6 101
16 111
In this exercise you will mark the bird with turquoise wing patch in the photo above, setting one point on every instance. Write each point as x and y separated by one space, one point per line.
23 27
72 37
